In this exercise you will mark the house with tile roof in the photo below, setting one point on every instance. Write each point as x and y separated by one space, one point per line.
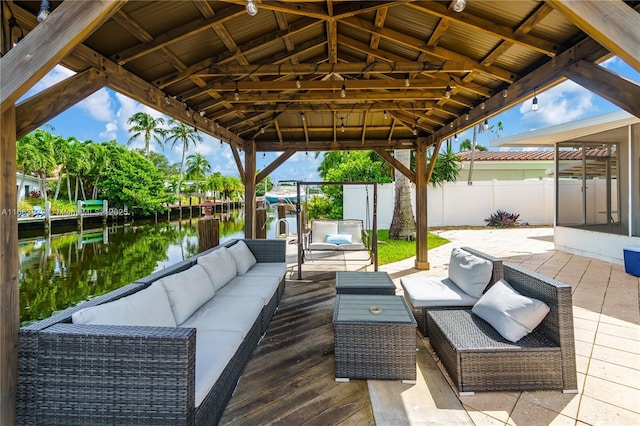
507 165
596 172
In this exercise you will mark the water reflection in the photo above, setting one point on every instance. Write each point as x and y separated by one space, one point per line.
58 271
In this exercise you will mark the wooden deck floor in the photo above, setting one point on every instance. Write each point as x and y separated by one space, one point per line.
290 378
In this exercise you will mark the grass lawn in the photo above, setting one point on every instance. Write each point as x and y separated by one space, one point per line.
390 251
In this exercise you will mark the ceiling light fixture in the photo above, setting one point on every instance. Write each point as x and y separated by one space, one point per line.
447 91
45 9
466 117
415 131
236 95
342 125
201 113
455 137
262 131
459 5
343 91
486 124
298 83
252 7
534 104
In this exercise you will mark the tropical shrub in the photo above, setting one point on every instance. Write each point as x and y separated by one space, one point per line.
502 219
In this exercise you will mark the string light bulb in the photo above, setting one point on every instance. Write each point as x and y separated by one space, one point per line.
459 5
236 95
302 116
343 91
298 83
407 83
486 124
386 116
252 7
201 113
262 130
534 103
342 125
415 131
455 137
482 105
45 10
466 117
505 93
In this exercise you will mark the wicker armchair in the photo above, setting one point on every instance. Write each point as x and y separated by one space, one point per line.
477 358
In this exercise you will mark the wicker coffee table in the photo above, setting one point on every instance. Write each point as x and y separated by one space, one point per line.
375 338
364 283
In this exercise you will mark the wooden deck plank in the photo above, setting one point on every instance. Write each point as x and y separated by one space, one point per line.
290 378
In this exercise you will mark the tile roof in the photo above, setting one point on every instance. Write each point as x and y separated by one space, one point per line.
542 155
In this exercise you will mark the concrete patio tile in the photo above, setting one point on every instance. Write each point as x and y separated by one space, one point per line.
627 311
579 312
529 414
608 319
616 356
595 412
584 335
563 403
584 348
582 364
619 343
615 373
498 405
629 331
584 324
482 419
612 393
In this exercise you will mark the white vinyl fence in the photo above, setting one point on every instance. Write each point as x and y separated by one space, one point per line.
459 204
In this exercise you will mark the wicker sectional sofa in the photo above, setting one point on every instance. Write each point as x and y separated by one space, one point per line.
123 358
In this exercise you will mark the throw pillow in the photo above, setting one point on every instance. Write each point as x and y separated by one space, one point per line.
187 291
338 239
509 312
220 266
242 256
147 307
469 272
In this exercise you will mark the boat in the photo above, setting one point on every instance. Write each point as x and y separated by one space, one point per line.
283 194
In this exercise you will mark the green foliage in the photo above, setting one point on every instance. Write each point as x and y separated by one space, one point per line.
390 251
265 186
446 168
143 124
319 207
502 219
466 145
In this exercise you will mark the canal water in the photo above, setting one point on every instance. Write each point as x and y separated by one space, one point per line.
61 270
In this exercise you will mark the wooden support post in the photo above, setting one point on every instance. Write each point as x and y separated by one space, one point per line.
250 189
208 233
9 268
422 259
282 217
261 224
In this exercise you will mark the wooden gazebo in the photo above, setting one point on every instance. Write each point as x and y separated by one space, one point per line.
315 75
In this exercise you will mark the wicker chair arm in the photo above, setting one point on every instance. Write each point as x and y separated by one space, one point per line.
268 250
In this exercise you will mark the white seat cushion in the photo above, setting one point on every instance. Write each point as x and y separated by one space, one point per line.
320 229
510 313
269 269
220 266
469 272
214 350
187 291
264 287
227 313
242 256
434 292
147 307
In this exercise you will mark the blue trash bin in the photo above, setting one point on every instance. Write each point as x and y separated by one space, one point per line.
632 260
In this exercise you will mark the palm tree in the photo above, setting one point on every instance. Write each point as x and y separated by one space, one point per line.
145 124
465 145
25 157
479 129
77 163
197 168
403 223
180 132
44 161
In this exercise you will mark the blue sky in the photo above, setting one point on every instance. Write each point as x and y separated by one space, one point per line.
103 117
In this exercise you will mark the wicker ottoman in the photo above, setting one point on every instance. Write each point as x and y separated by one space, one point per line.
364 283
371 344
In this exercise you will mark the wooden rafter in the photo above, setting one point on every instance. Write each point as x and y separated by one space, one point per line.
396 164
275 164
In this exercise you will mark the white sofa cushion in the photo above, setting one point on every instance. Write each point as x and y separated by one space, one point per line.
187 291
220 266
434 292
469 272
230 313
320 229
242 256
263 287
268 269
147 307
510 313
214 350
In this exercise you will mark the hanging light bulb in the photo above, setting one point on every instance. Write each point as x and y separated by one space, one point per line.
262 130
252 7
302 116
298 83
466 117
386 116
236 95
407 83
505 93
486 124
455 137
343 91
451 125
534 105
342 125
45 9
447 92
188 111
415 131
482 105
459 5
201 113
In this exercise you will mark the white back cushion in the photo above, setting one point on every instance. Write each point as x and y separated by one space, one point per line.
510 313
469 272
242 256
220 266
320 229
147 307
353 228
187 291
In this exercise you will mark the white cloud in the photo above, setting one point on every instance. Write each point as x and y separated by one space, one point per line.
56 75
531 148
99 105
110 131
560 104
